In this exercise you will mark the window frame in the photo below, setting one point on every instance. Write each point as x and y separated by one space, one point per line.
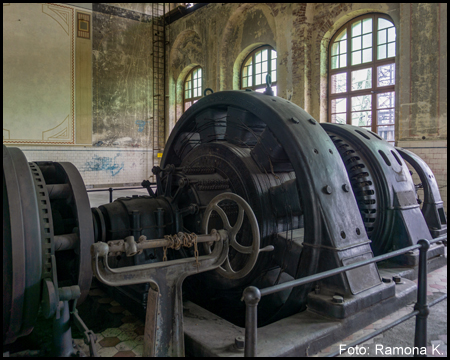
348 69
252 54
192 98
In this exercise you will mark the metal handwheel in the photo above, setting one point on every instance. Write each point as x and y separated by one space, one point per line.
253 250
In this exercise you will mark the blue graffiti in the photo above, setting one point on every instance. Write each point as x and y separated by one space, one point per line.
99 163
141 124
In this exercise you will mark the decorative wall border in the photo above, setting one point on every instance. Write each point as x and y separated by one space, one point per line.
72 41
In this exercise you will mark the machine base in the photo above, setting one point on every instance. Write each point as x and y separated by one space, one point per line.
302 334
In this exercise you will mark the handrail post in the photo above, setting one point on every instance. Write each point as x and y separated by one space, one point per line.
420 336
251 296
110 194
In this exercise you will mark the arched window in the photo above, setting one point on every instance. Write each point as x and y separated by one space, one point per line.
256 66
362 75
192 87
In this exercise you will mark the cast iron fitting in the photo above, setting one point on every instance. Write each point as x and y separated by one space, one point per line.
251 296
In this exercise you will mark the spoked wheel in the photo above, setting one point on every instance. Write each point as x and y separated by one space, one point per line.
252 251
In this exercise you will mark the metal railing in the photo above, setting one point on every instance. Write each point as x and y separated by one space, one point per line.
252 295
112 189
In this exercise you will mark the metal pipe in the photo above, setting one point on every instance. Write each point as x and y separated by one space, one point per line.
375 333
325 274
122 245
62 332
251 296
385 328
66 241
110 194
420 336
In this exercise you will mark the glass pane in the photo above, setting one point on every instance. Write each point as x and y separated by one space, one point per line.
343 46
381 52
187 94
356 43
186 86
258 57
338 83
367 41
362 79
356 28
195 83
382 37
363 102
362 118
339 118
356 58
264 55
386 100
334 62
343 60
385 116
338 105
249 61
342 35
274 54
200 72
383 24
274 75
386 132
386 75
258 79
195 92
367 55
245 82
391 34
367 26
250 80
274 64
391 49
260 90
245 71
335 48
258 68
264 66
274 89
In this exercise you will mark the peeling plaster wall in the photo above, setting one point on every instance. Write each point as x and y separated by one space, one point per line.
300 33
122 79
117 91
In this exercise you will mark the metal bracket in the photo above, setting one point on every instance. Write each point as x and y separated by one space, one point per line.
164 335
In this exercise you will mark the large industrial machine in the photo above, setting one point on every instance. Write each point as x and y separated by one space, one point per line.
251 190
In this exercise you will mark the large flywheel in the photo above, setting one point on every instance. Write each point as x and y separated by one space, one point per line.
47 234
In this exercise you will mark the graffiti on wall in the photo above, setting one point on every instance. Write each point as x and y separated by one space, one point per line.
141 124
104 163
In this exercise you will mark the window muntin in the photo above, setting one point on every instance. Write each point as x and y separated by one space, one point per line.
192 87
362 75
256 66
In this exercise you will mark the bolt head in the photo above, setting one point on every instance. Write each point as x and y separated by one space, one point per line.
397 279
386 280
239 342
338 299
295 120
327 189
346 188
